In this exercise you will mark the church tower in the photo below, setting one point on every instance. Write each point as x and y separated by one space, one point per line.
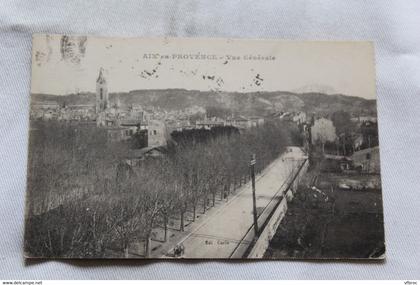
102 102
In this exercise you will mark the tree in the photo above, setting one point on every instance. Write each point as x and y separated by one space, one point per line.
342 122
86 201
369 132
323 131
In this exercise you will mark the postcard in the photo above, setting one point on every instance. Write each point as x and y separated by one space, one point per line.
203 149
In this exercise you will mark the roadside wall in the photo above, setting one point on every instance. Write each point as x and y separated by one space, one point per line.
269 231
280 211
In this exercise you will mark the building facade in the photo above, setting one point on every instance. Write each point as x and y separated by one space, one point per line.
157 134
368 160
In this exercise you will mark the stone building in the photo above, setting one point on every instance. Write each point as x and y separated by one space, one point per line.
157 134
368 160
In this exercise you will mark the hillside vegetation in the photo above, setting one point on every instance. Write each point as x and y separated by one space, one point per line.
251 103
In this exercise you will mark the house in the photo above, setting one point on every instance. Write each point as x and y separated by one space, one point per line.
157 133
299 118
361 119
256 121
239 122
116 134
367 160
133 124
208 124
136 108
178 125
337 163
135 156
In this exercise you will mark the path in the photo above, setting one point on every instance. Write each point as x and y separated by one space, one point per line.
224 232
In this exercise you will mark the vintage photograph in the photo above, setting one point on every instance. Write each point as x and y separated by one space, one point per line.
203 148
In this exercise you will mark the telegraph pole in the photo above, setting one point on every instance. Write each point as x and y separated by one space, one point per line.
254 203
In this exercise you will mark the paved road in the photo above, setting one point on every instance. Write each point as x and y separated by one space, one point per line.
220 235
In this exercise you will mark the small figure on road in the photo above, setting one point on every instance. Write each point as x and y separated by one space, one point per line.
179 250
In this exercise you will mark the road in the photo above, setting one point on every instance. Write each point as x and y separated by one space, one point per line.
221 234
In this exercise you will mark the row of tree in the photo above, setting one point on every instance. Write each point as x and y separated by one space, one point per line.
114 205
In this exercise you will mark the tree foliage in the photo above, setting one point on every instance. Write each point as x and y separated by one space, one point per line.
342 122
113 206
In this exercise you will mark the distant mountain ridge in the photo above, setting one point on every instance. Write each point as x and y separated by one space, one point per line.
250 103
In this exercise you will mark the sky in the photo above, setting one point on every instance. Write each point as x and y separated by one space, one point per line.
66 65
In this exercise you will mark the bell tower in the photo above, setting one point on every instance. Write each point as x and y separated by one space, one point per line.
102 102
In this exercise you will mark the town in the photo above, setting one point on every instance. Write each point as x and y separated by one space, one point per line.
155 124
178 160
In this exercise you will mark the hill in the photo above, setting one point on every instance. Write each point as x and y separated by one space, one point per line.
251 103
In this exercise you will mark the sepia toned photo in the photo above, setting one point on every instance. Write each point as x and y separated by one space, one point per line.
202 149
